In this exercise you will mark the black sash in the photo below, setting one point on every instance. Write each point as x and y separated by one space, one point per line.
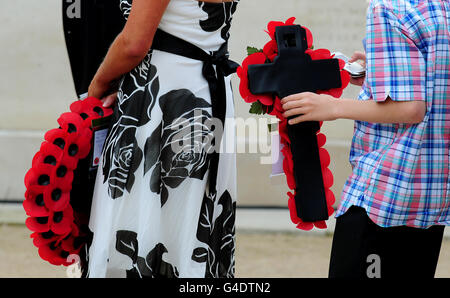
166 42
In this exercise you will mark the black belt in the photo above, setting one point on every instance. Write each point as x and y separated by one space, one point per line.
224 67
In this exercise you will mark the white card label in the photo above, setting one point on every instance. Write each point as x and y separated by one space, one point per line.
277 156
99 141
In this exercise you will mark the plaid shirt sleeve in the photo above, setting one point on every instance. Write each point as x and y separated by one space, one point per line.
395 66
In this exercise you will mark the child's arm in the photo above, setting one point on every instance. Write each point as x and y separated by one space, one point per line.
314 107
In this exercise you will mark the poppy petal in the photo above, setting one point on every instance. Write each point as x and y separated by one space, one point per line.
320 224
325 158
321 140
305 226
292 209
328 179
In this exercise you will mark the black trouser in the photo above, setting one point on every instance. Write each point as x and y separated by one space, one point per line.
361 249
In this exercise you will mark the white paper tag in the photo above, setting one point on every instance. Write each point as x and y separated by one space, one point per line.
99 141
277 156
83 96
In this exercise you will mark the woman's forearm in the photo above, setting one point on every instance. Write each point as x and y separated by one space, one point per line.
120 60
130 46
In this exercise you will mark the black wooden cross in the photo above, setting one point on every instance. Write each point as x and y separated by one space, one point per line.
293 71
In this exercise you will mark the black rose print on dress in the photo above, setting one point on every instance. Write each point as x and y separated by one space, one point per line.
122 158
218 235
218 15
139 91
125 7
152 265
185 140
136 100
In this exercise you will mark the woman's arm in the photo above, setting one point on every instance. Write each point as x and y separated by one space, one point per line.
314 107
130 46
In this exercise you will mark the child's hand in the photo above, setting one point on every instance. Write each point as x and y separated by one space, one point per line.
358 56
310 107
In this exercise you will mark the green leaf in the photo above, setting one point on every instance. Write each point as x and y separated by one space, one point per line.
257 108
253 50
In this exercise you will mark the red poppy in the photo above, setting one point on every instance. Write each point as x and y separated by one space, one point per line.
282 129
79 135
328 179
306 226
309 37
325 158
330 201
277 109
41 239
320 224
39 175
90 109
34 204
271 47
271 50
38 224
70 244
321 139
242 72
54 255
272 26
61 222
61 139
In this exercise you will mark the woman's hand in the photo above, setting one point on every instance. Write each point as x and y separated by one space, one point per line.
361 57
309 107
98 88
109 100
102 91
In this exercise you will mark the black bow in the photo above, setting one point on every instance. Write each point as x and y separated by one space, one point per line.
216 67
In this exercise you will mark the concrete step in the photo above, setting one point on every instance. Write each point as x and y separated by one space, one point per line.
252 220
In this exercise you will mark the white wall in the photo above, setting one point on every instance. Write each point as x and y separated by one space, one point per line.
36 86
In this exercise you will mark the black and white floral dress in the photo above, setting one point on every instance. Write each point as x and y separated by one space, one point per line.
152 213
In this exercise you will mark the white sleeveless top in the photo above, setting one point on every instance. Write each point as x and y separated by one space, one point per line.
181 19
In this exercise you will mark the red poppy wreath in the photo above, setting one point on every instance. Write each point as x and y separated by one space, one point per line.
59 230
270 103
